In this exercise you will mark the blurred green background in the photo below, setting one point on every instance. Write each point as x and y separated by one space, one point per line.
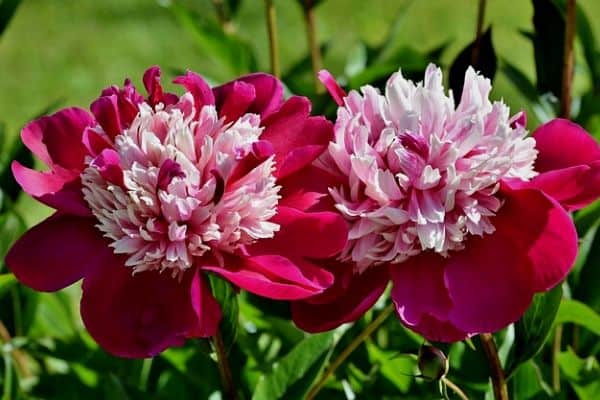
69 50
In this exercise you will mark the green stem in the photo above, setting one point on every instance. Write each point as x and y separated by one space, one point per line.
556 347
313 44
229 392
569 58
376 323
222 16
271 17
8 379
145 373
454 387
496 371
17 311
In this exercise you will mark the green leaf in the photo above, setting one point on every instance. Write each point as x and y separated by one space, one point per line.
588 42
113 388
12 227
483 60
532 330
293 367
233 54
548 44
396 368
582 374
56 315
7 281
528 382
226 296
587 218
7 11
578 313
520 81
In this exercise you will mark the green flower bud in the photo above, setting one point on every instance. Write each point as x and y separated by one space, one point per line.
432 363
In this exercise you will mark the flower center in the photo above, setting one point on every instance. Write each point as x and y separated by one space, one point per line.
423 174
178 185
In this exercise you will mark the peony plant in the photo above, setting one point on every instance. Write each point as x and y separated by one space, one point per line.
455 204
153 193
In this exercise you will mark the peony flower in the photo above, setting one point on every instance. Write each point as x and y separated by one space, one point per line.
152 193
456 205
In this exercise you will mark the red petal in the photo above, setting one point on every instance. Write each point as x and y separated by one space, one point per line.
573 187
62 192
421 297
301 234
419 288
347 300
308 190
198 87
56 253
297 138
268 89
155 91
334 89
205 306
275 277
492 281
563 144
235 100
137 315
106 111
56 139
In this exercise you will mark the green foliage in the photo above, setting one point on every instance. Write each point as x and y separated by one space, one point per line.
298 368
532 330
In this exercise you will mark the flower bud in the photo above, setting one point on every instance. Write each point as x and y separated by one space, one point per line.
432 363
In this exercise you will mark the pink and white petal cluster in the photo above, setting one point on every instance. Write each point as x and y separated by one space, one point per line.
164 202
455 205
423 174
205 181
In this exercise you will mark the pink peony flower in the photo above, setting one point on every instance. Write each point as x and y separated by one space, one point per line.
151 193
456 205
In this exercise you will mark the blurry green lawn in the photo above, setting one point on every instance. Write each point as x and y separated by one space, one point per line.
71 49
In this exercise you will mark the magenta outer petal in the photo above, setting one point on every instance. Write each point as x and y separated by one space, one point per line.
301 234
275 277
492 281
198 87
139 315
56 253
573 187
346 301
56 139
205 306
421 297
549 236
563 144
60 192
419 288
268 89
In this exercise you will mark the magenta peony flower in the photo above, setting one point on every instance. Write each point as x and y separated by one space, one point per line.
150 193
456 205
